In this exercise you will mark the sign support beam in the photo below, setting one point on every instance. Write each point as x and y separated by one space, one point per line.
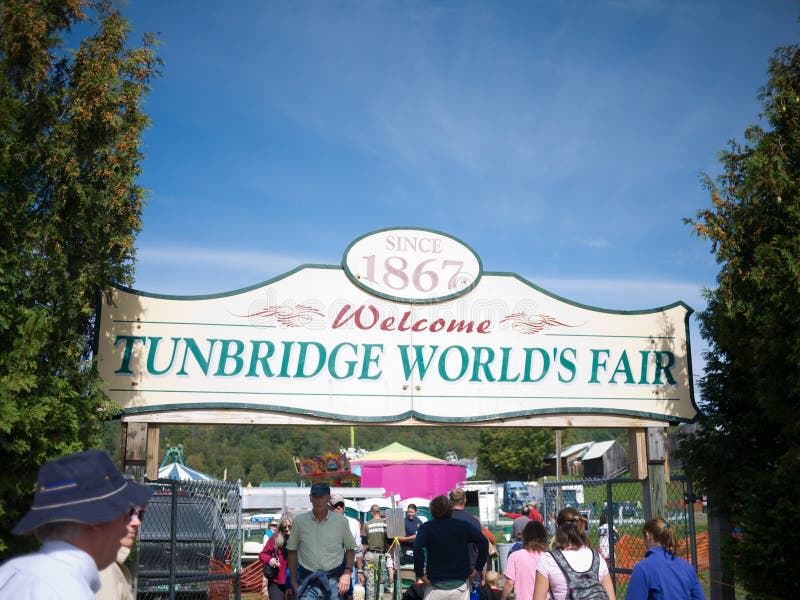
657 471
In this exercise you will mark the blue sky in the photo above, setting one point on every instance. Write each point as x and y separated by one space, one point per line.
562 141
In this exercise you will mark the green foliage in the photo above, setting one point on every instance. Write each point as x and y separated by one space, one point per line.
70 129
262 453
747 455
245 449
268 451
515 453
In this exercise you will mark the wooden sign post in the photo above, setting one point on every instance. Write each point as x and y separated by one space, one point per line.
139 443
657 471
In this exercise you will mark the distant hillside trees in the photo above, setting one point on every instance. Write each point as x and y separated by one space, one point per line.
515 452
70 133
264 453
747 455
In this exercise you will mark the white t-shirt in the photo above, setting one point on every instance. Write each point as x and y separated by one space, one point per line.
603 541
355 530
59 570
579 560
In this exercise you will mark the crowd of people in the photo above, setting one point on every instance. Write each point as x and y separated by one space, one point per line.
450 552
87 514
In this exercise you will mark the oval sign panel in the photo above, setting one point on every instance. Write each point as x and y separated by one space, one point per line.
412 265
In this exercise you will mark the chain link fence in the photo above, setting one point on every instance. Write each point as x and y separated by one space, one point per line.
625 504
190 542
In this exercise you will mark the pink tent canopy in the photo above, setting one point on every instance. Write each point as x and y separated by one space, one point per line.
401 470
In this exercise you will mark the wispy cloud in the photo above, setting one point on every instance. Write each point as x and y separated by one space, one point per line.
230 259
618 294
594 242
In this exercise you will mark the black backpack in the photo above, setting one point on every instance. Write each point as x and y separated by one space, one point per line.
581 585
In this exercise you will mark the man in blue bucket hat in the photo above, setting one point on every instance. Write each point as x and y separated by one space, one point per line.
80 512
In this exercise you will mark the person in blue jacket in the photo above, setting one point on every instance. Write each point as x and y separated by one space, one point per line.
441 553
662 574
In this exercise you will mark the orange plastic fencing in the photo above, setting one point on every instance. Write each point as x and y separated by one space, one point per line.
630 550
702 551
627 552
252 576
219 590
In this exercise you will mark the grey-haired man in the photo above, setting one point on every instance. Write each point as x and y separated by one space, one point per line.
80 511
321 550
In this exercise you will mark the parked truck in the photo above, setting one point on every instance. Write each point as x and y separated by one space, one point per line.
515 495
558 496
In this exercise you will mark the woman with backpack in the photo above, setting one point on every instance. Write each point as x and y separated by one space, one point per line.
572 570
662 574
273 557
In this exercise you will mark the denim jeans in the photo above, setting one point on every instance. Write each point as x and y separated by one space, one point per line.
314 592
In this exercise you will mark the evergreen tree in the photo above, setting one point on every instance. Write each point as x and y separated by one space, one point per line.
747 455
70 132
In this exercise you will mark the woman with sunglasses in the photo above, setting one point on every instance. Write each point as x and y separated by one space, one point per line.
662 574
115 579
274 555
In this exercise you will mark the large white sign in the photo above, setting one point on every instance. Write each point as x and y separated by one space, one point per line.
408 330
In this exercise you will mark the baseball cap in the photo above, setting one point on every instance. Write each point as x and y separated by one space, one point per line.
321 489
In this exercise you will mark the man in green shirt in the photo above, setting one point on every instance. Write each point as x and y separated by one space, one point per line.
321 550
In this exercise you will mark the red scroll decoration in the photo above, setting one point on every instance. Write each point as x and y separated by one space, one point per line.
532 324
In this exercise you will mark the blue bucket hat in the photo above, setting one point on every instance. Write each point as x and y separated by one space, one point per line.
83 488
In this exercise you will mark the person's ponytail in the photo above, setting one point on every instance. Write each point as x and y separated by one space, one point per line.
662 533
571 532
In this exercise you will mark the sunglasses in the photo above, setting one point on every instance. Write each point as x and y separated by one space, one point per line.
138 511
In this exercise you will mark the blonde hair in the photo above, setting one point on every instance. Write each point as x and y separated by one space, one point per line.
662 533
571 532
458 496
280 536
492 578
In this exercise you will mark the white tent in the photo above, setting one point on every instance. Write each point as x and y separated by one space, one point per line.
180 471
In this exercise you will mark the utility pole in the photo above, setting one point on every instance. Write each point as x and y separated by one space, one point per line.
558 470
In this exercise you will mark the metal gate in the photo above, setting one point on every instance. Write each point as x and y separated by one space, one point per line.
626 505
190 541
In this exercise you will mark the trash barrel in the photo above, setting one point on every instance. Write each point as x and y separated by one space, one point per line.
502 550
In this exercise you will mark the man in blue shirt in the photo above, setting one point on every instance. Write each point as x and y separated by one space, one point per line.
412 523
458 500
446 540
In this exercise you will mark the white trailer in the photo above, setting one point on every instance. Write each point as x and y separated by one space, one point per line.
487 500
